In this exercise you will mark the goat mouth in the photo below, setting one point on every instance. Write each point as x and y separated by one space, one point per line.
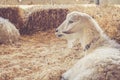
67 32
59 35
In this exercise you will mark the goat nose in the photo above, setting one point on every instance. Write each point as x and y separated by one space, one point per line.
56 30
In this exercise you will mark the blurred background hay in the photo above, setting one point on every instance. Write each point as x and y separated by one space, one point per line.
43 20
14 14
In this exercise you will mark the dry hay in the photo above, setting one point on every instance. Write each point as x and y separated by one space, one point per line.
8 32
14 14
39 57
43 20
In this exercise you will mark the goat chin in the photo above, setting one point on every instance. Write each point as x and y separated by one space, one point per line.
72 39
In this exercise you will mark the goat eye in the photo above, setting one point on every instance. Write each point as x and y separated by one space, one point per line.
70 21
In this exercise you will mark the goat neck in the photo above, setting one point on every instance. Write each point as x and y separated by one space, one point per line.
93 36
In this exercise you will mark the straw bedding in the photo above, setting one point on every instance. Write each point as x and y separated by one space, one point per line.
41 56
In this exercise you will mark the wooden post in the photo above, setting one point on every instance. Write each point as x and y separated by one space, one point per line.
97 2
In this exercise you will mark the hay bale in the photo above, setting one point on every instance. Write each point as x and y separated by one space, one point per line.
14 14
8 32
42 20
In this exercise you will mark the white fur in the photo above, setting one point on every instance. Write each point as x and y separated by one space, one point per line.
103 59
98 65
8 32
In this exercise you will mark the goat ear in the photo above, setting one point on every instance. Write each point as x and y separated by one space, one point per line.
77 17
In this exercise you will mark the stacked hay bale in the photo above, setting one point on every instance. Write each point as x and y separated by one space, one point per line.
42 20
14 14
8 32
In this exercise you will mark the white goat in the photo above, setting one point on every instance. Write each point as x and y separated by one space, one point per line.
8 32
103 60
61 31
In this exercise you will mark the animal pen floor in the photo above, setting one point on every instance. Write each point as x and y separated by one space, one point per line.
42 56
37 57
